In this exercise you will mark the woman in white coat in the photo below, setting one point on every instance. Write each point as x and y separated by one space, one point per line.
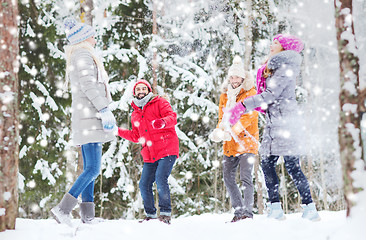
92 122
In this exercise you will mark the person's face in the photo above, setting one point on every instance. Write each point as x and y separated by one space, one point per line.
141 90
92 41
235 81
275 47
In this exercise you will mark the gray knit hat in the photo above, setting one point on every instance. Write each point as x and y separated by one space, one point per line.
77 32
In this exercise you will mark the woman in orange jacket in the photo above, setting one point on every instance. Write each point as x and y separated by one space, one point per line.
240 141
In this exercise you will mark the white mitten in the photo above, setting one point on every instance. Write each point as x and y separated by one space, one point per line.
215 135
226 136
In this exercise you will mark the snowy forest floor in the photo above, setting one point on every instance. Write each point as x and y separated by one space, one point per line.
333 225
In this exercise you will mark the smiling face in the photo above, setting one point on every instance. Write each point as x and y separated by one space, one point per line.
92 41
275 48
141 90
236 81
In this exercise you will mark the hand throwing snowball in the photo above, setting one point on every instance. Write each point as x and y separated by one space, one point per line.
276 82
240 141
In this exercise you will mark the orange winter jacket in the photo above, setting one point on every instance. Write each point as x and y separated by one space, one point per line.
248 121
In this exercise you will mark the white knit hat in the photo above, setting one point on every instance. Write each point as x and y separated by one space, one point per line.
237 69
77 32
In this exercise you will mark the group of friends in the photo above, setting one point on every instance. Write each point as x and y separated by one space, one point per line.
153 126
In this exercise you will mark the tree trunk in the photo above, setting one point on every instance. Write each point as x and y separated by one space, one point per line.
216 181
154 60
248 36
349 133
9 117
284 185
86 7
259 187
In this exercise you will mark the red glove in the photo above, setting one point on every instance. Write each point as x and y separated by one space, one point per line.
158 124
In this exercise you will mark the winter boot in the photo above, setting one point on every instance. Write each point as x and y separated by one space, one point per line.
165 219
87 212
147 219
275 211
310 212
237 218
61 212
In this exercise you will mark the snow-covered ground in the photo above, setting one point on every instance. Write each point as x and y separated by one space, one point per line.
333 226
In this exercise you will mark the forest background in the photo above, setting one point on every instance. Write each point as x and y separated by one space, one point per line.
188 54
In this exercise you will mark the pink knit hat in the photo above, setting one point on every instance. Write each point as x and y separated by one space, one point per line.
143 81
290 42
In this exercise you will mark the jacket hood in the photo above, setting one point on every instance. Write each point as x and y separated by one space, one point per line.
285 57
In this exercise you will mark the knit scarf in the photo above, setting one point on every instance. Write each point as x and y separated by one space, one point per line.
232 93
143 101
261 84
102 73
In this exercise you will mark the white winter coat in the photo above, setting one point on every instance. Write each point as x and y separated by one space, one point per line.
89 96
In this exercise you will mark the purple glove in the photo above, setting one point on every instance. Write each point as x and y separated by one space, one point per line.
236 112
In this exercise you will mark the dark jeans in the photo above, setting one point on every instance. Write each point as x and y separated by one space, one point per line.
292 165
158 172
84 184
243 207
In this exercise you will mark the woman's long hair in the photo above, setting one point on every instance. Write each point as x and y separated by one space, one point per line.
268 72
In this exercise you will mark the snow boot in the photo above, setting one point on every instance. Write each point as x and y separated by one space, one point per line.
87 212
165 219
147 219
275 211
237 218
61 212
310 212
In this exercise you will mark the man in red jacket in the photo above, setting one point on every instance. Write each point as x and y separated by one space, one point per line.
153 122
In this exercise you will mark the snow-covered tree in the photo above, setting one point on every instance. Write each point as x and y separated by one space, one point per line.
351 104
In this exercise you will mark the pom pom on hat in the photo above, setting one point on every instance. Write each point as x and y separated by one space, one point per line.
237 69
290 42
69 23
76 32
237 60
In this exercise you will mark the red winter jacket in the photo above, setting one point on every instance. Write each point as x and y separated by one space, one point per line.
156 143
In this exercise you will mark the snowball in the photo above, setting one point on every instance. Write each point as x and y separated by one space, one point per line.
30 140
289 73
7 196
31 184
215 164
130 188
205 119
2 211
189 175
142 140
251 160
43 142
194 116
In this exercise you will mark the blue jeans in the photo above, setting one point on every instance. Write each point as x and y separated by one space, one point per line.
293 168
158 171
84 184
